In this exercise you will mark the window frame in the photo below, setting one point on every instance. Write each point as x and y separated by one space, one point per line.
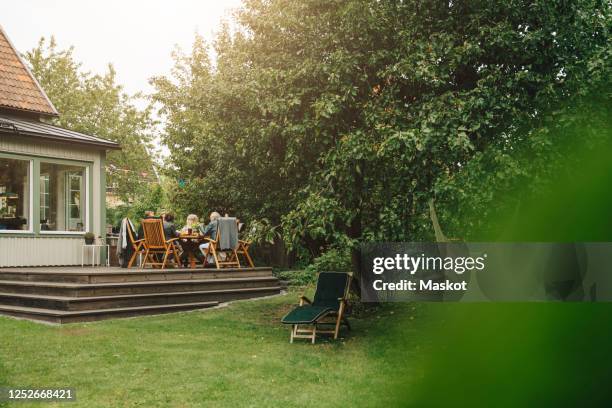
45 209
86 206
30 161
35 196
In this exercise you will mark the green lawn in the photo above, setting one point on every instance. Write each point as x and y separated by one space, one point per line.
233 356
452 354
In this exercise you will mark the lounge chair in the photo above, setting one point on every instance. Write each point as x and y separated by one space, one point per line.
155 244
327 308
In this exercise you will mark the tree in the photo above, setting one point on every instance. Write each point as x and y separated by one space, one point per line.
343 119
95 104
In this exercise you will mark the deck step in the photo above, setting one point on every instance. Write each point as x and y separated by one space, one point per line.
124 288
118 275
62 316
68 303
75 294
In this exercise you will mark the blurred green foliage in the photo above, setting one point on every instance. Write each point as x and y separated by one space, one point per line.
537 354
512 355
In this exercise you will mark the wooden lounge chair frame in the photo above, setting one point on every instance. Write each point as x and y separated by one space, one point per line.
331 317
214 251
155 243
137 246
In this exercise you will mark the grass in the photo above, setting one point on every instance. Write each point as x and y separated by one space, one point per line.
233 356
448 354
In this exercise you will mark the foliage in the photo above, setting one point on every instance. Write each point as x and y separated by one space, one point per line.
152 199
334 259
262 231
302 277
95 104
492 194
456 80
340 120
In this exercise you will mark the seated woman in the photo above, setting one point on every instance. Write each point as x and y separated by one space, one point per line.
191 223
210 231
169 227
190 248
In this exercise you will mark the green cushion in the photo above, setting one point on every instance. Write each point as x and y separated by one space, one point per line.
331 286
305 314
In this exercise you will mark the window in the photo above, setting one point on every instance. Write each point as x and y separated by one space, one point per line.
62 197
14 194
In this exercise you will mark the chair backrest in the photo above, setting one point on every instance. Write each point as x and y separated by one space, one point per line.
130 231
331 286
216 237
227 233
153 229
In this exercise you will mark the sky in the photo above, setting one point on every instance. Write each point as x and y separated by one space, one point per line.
136 36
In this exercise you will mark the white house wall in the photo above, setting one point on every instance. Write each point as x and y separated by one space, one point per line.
41 251
46 249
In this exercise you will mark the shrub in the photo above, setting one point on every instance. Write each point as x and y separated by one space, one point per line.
298 278
334 259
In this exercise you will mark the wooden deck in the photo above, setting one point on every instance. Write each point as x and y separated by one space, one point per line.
75 294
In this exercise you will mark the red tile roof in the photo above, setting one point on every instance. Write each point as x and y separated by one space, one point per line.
18 88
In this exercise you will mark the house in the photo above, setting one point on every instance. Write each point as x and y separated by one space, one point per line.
52 180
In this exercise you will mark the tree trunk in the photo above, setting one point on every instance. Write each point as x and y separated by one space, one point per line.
355 229
440 237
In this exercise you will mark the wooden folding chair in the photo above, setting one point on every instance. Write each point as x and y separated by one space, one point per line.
155 243
137 245
215 250
243 249
327 308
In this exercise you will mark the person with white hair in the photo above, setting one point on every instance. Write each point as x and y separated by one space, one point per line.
190 248
210 231
191 223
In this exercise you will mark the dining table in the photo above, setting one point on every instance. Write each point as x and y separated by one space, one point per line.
191 246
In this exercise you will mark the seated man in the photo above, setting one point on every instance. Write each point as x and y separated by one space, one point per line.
210 231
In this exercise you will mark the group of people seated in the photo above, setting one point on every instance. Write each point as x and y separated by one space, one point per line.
192 227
